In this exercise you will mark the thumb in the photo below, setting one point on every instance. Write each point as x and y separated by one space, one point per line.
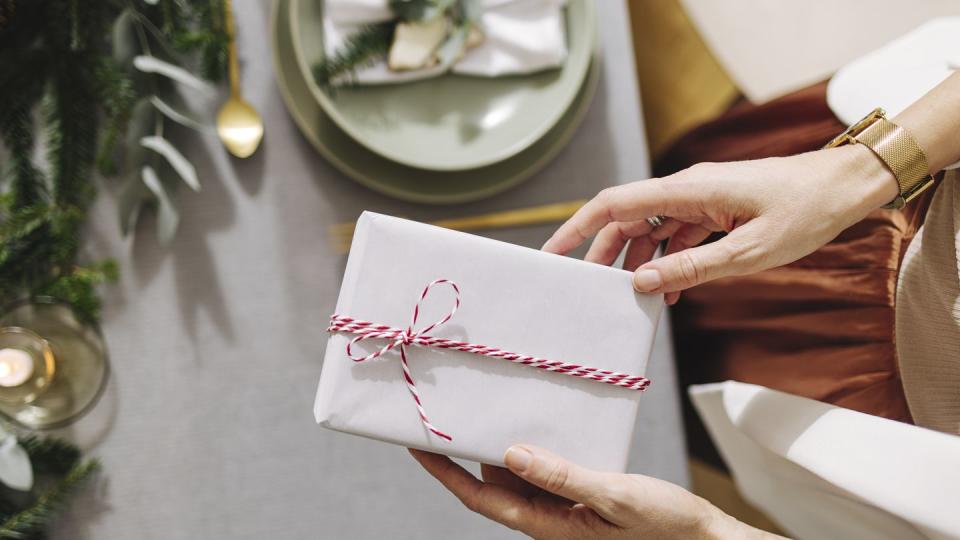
552 473
693 266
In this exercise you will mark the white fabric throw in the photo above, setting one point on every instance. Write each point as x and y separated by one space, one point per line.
827 473
520 36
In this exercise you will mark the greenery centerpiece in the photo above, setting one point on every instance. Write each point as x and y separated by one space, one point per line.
88 87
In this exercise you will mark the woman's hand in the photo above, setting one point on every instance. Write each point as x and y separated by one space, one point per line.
774 210
545 496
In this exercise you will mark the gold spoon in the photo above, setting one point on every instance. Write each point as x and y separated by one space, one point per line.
238 124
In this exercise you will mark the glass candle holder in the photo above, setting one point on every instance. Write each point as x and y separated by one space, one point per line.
27 365
53 365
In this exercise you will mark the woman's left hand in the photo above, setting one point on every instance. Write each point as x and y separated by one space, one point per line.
545 496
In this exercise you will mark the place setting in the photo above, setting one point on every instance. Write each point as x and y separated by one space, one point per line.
441 110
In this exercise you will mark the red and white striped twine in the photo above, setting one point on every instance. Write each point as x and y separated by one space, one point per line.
402 338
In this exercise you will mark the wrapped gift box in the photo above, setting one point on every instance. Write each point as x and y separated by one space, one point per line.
512 298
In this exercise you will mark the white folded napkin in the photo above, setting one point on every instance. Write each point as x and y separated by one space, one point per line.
520 36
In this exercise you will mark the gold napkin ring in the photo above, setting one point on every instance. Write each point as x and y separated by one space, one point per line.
898 150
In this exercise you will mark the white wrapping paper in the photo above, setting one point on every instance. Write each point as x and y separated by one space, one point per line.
514 298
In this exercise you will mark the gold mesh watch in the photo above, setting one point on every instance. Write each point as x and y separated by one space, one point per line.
896 148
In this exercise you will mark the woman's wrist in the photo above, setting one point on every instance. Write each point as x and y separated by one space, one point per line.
721 526
871 184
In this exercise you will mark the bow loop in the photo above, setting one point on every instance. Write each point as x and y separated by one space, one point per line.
371 335
416 308
396 336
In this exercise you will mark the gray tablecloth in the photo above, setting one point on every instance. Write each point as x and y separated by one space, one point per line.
205 429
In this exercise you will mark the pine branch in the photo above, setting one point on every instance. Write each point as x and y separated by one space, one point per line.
26 252
191 26
360 49
117 97
21 83
27 181
215 40
31 522
72 117
419 10
79 287
71 110
50 455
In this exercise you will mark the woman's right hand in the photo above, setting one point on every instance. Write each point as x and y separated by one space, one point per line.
774 210
546 496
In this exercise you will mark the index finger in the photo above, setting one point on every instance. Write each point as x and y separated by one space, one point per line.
629 202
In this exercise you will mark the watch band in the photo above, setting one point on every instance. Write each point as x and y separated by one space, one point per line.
896 148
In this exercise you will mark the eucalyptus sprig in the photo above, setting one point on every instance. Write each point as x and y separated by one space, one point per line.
157 48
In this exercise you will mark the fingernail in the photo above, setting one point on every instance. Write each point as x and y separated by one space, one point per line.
546 245
647 280
517 458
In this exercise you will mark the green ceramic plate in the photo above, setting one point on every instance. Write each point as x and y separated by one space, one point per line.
450 122
408 183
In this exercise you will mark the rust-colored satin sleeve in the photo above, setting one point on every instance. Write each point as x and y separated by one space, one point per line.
821 327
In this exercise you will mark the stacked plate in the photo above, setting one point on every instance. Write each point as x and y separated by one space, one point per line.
449 139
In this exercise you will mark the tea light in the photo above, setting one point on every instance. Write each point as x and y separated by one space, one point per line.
16 367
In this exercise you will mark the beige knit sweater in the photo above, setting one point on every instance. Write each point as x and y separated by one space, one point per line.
928 314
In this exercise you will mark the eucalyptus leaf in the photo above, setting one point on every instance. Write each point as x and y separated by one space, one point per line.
470 10
167 216
182 118
452 49
133 194
152 64
173 156
142 123
125 45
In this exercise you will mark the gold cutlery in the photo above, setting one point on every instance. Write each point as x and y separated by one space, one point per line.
340 235
239 126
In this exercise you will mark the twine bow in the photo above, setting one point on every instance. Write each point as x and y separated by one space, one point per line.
402 338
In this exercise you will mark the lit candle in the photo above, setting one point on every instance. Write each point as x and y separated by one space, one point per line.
16 366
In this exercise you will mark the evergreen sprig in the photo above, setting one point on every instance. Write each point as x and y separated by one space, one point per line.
419 10
207 35
50 455
30 523
372 42
59 470
361 48
117 97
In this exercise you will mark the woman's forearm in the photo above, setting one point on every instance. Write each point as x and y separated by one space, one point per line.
934 121
773 210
